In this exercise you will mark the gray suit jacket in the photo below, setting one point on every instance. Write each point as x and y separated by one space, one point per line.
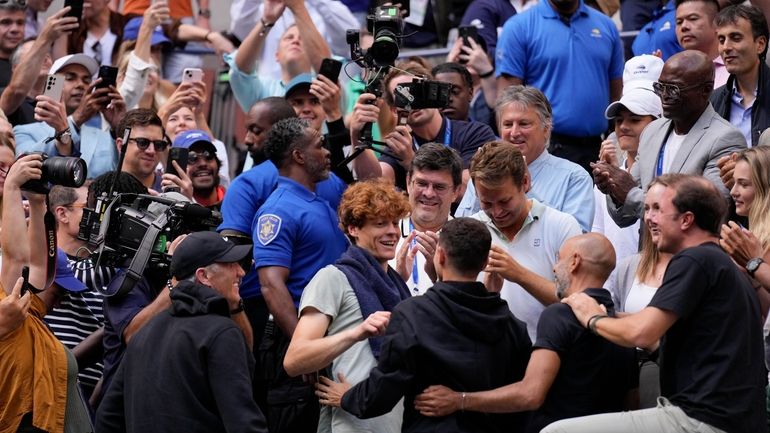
711 138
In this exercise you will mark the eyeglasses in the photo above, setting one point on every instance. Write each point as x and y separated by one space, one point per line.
143 143
439 188
77 205
671 90
193 157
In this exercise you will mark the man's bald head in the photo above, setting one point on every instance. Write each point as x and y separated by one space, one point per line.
596 252
692 73
692 63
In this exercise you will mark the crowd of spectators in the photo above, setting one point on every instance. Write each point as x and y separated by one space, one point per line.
576 240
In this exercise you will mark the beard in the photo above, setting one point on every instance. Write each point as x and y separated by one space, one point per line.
258 155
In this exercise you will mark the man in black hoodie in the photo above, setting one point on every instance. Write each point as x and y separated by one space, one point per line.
572 372
190 368
457 334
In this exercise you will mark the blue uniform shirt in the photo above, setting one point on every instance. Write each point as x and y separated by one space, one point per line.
659 33
246 195
571 64
296 229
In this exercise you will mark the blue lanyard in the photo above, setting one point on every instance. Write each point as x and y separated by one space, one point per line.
659 169
415 270
447 135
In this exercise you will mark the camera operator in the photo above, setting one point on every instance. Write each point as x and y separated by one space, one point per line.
77 318
37 369
146 145
193 361
424 126
60 129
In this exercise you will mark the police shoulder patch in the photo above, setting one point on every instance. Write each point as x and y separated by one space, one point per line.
268 227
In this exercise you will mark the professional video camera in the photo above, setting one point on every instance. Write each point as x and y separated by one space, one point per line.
58 170
386 25
131 230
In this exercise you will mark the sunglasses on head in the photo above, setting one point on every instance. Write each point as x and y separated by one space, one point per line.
193 157
143 143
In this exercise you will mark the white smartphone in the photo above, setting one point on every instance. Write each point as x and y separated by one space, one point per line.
192 74
53 86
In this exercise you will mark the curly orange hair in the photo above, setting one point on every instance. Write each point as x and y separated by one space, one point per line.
368 200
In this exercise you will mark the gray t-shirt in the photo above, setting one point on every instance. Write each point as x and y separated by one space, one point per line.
330 293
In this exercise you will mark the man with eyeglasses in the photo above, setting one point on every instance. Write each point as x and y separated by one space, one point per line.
77 318
433 183
690 138
12 21
145 145
61 128
202 167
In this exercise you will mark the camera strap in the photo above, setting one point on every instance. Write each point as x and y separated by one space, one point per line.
135 270
50 232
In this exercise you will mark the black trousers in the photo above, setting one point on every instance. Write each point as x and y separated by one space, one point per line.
292 406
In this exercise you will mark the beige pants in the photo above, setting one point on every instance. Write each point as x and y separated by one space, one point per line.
666 418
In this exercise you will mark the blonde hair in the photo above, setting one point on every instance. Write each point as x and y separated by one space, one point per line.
758 159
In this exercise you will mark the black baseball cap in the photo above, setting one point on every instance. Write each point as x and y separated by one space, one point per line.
201 249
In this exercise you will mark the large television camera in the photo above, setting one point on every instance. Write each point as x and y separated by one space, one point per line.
131 230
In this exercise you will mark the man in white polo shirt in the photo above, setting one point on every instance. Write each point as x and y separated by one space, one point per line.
526 234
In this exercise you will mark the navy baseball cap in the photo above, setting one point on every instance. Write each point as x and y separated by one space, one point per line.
64 276
186 139
131 32
201 249
300 82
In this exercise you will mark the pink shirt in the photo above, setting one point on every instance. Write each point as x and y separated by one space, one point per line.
720 72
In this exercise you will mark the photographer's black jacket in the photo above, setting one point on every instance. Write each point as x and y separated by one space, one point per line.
188 370
721 99
457 335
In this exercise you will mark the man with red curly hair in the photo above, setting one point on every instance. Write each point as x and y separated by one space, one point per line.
346 307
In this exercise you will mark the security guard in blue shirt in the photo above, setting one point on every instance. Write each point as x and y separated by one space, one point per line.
295 233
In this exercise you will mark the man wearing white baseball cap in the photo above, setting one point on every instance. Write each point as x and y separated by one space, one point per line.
60 129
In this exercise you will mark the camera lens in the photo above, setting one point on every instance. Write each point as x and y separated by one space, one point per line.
65 170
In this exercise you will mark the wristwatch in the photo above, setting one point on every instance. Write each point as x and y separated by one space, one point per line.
239 308
205 13
64 137
753 264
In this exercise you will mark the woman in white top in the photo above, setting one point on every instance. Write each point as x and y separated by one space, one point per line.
638 277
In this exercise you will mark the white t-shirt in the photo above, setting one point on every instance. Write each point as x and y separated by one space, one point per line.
673 144
330 293
535 247
419 281
639 296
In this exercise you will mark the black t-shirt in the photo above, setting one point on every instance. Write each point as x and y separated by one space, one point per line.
465 138
711 362
5 72
594 375
24 114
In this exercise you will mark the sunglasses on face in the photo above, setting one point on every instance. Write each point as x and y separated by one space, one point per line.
193 157
143 143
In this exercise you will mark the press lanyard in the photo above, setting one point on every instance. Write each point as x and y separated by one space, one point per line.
447 135
659 169
415 269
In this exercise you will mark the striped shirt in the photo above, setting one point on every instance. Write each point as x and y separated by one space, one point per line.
78 315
